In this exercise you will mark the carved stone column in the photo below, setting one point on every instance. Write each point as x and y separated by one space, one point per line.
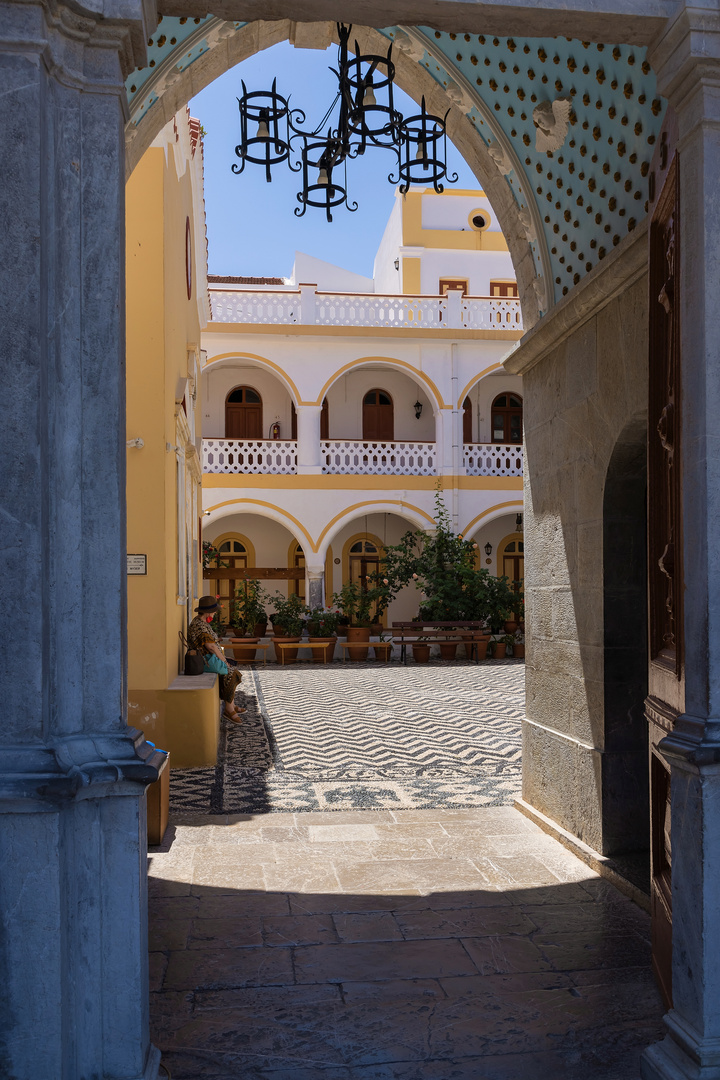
72 776
315 586
687 59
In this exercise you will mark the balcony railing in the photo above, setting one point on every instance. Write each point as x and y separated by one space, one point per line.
249 456
307 307
358 456
493 459
378 458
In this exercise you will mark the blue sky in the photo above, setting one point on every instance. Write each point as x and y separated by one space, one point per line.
252 227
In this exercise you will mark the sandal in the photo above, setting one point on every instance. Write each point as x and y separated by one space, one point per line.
235 714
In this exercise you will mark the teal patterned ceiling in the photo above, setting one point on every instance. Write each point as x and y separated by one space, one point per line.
577 202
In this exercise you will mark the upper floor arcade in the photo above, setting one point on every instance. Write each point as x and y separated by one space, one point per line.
374 416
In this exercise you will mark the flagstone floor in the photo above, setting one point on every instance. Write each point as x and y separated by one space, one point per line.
436 944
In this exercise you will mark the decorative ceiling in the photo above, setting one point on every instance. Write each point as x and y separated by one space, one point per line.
575 203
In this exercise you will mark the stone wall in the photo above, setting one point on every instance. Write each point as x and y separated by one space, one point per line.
585 389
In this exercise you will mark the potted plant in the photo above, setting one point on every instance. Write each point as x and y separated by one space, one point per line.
382 648
322 625
356 604
421 651
519 646
288 623
247 614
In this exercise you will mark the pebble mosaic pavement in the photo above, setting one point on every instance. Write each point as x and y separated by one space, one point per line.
365 737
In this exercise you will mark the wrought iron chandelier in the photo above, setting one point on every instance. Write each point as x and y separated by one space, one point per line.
367 117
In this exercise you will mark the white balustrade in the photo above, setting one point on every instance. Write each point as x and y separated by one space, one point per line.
493 459
249 456
378 458
311 308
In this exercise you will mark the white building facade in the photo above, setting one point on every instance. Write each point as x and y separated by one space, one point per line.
331 417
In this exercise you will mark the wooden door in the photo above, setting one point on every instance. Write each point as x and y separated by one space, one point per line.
511 561
666 689
453 285
243 414
467 421
507 418
233 556
378 418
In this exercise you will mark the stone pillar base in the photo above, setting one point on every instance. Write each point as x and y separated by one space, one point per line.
682 1055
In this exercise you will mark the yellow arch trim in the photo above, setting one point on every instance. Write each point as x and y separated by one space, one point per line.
491 510
374 502
391 362
261 502
285 378
474 381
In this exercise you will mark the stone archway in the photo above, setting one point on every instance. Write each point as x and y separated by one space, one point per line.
73 881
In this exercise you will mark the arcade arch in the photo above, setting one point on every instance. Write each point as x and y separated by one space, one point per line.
243 398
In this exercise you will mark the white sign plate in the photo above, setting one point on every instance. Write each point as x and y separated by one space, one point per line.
137 564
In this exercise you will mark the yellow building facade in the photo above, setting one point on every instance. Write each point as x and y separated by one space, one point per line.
167 308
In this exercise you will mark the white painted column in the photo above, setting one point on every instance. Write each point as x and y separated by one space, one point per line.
309 459
73 899
687 59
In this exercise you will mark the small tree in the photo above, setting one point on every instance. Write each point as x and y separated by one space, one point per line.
290 614
357 604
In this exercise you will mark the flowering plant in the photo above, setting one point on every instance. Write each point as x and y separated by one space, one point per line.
322 622
211 556
290 614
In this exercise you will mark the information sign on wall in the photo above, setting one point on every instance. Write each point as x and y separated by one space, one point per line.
136 564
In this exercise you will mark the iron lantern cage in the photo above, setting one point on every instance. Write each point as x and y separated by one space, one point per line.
422 154
372 116
518 523
323 190
270 144
418 409
488 549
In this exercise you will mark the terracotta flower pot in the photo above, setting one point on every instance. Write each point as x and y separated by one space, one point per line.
481 647
286 656
319 654
260 629
244 648
519 651
376 629
511 626
358 633
421 653
383 650
448 650
499 649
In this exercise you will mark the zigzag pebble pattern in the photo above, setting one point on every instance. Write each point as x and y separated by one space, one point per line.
366 737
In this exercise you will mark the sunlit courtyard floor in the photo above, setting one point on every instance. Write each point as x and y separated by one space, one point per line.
437 934
365 736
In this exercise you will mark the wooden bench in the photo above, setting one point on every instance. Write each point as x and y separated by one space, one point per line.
283 645
433 633
263 645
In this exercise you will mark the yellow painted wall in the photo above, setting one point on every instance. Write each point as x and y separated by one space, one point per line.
161 325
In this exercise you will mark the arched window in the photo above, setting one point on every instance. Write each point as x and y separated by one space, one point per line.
235 554
511 559
507 418
378 417
467 421
243 414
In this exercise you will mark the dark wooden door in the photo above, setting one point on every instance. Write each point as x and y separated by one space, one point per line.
666 689
378 418
243 414
467 421
507 418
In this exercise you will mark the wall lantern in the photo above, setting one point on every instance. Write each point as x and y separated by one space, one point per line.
518 523
488 549
396 264
418 409
361 116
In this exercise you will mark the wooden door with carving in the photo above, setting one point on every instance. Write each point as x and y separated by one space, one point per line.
666 691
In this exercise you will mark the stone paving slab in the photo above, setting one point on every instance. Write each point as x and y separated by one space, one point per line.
347 963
